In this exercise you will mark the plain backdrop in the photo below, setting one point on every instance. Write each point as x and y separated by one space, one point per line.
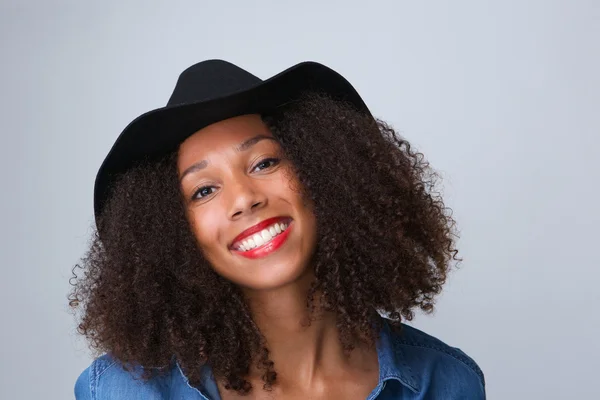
502 97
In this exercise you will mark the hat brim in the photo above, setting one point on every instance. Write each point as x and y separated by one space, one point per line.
160 131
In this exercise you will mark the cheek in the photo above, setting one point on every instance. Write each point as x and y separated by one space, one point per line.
292 190
204 225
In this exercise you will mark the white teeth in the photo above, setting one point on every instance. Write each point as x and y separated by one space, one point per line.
266 235
262 237
258 239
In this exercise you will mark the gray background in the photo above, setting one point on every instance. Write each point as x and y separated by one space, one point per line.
502 97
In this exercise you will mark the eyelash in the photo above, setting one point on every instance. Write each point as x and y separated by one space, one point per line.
275 161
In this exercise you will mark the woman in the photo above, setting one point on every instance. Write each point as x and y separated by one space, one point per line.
249 237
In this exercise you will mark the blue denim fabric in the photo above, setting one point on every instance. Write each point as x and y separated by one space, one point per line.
412 365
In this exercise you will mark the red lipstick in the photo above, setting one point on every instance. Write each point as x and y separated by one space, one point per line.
267 248
258 227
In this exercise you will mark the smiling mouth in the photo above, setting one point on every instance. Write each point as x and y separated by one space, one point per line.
274 229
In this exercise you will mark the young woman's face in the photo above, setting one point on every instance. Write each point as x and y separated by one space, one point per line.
244 204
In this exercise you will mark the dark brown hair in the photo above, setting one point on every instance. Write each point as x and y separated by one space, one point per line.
385 244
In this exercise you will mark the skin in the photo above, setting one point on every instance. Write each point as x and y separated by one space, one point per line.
242 187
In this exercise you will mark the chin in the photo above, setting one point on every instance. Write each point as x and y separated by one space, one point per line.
271 277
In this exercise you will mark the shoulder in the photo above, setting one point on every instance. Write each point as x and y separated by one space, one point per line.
438 366
105 378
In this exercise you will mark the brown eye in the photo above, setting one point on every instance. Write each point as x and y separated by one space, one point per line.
266 163
203 192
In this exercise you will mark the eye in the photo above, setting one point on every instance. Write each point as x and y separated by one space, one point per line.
202 192
267 163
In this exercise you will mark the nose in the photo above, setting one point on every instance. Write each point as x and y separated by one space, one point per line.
246 198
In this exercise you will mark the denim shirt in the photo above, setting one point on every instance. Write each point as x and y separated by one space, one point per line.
412 365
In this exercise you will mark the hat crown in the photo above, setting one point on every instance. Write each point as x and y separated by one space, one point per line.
211 79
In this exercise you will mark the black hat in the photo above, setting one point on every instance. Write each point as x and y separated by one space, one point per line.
205 93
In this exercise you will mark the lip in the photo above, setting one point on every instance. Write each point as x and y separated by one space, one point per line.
257 228
267 248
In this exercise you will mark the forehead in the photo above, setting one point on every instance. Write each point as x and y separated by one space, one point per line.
221 136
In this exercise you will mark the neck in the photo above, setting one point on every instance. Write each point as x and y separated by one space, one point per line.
303 352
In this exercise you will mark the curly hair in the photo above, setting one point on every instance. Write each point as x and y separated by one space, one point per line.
385 245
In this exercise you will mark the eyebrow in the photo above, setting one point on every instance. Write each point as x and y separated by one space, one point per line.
245 145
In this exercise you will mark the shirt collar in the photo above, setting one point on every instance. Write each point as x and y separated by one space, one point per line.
208 386
392 361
